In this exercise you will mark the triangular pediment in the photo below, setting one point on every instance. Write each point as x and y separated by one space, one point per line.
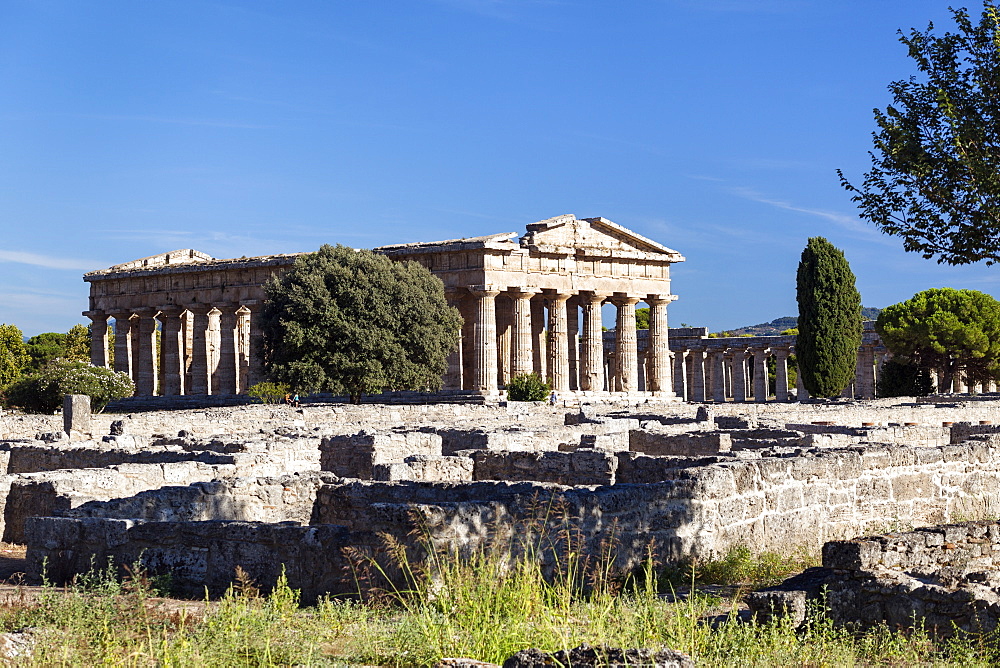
598 236
183 256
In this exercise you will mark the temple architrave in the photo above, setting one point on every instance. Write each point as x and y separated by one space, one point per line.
522 299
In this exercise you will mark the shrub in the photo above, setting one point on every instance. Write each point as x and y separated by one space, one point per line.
42 392
269 393
528 387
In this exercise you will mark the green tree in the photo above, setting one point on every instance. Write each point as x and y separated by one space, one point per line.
13 356
45 347
900 378
945 329
829 323
42 392
935 176
642 318
355 322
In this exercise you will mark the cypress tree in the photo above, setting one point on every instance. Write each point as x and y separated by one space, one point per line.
829 319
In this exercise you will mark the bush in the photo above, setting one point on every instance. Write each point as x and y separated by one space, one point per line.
903 379
42 392
269 393
528 387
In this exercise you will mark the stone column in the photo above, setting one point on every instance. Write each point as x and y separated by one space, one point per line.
171 351
719 376
256 338
145 358
98 337
625 344
864 383
801 393
781 374
123 347
504 316
680 375
761 380
697 358
558 346
243 348
573 342
453 376
592 353
522 353
485 338
659 345
199 349
740 375
224 378
538 341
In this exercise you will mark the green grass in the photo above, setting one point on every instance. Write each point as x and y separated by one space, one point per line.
487 605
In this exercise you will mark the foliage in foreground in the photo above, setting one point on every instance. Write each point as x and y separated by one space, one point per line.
43 392
528 387
13 354
486 607
829 324
355 322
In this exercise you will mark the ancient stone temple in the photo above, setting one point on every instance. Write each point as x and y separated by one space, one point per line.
524 300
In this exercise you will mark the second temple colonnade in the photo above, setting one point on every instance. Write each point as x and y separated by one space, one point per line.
534 303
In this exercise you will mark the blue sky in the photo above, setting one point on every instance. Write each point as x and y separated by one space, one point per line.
244 128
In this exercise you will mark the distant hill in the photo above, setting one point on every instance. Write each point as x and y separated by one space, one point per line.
778 325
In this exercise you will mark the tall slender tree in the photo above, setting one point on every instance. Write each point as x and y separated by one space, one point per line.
829 319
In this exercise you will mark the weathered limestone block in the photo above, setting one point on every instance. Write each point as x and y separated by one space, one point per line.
583 467
426 467
76 413
669 444
355 455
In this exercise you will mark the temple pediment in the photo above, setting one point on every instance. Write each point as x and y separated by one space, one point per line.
182 256
568 235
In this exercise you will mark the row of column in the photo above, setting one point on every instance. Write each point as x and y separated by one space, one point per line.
203 349
516 330
738 374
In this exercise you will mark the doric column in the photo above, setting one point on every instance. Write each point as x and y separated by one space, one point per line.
625 344
658 352
573 341
740 374
592 352
145 358
864 383
680 375
485 338
697 359
558 345
781 374
224 378
761 381
171 351
256 341
98 337
123 342
453 376
504 316
538 342
719 376
522 356
243 348
199 349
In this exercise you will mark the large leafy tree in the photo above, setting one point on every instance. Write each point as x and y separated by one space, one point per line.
829 319
45 347
13 355
355 322
935 176
950 330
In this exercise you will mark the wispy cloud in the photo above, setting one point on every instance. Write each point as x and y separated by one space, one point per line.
845 221
47 261
211 123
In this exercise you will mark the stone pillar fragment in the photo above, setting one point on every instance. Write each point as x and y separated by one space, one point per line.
658 352
626 345
592 352
761 381
98 337
199 380
864 383
558 345
781 374
76 413
171 351
522 352
224 378
484 338
145 359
